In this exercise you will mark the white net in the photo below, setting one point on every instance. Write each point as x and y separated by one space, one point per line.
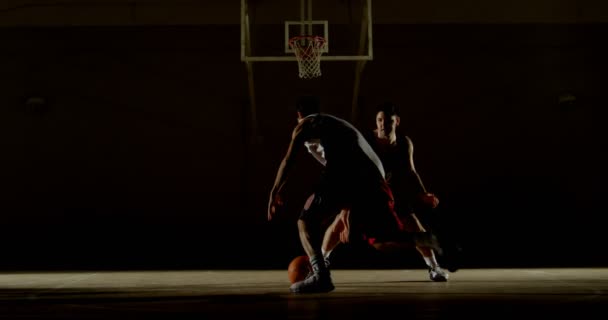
308 51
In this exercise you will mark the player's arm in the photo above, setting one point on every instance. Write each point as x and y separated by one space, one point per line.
411 168
297 141
425 196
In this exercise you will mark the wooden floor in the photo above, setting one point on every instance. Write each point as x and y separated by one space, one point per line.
575 294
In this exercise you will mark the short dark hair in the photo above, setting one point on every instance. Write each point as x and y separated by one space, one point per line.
389 109
308 104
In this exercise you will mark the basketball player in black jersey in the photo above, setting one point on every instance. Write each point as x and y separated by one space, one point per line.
353 180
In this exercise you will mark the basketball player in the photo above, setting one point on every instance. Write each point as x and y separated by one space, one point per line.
352 180
396 152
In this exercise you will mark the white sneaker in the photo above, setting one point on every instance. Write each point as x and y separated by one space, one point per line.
438 275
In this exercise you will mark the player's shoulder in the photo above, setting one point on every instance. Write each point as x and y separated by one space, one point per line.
405 139
404 143
307 121
304 126
370 136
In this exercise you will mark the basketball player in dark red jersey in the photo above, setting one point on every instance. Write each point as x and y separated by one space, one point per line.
396 153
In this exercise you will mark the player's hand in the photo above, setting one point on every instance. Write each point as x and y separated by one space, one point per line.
429 199
345 226
273 205
344 236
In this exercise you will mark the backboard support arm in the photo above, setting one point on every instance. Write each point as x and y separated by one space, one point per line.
245 51
365 33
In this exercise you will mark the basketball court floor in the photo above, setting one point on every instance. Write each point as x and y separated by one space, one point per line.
361 294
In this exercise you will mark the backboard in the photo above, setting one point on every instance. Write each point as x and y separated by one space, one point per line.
267 26
344 27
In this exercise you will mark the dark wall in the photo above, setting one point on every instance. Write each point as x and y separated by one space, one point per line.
142 154
515 160
136 152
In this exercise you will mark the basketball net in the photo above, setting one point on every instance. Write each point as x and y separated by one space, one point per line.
308 51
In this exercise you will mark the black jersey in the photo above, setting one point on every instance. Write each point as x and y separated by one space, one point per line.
342 145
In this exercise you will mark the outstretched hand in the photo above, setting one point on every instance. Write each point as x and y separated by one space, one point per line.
429 199
274 204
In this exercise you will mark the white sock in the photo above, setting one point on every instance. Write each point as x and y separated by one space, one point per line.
431 261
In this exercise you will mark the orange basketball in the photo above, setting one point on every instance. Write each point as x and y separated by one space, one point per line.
298 269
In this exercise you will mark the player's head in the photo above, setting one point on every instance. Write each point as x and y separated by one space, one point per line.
307 105
387 119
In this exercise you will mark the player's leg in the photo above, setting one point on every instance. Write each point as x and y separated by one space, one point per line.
310 227
436 273
396 233
436 223
335 234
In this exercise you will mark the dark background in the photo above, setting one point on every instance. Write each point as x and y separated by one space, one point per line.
142 155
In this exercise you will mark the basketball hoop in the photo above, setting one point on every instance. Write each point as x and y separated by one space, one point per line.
308 51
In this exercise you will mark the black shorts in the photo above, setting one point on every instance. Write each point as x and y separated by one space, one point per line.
368 197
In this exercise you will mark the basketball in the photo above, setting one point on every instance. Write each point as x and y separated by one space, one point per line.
298 269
